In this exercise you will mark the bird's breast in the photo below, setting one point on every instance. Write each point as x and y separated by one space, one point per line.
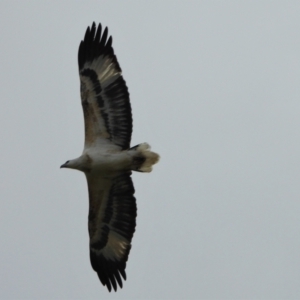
111 162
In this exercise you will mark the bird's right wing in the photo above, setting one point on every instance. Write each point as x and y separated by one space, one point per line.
112 220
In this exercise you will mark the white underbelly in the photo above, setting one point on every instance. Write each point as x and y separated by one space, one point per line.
111 162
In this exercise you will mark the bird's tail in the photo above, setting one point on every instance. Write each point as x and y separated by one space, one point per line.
143 158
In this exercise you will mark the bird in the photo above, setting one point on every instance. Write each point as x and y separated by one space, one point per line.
107 159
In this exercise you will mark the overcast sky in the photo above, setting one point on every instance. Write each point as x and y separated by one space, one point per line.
215 90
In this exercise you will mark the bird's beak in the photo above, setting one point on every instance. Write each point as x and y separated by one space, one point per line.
63 166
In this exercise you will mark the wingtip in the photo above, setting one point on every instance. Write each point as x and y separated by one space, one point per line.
96 42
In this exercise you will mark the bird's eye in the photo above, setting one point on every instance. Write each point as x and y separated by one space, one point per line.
67 162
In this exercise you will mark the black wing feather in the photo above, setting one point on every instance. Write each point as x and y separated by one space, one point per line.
119 219
112 95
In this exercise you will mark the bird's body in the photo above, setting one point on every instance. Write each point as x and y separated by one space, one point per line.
102 161
107 159
111 161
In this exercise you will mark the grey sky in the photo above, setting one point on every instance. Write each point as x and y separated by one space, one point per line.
214 89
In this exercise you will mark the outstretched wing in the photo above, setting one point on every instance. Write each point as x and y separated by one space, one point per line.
112 220
104 94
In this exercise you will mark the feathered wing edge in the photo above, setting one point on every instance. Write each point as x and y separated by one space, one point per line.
95 44
103 90
111 229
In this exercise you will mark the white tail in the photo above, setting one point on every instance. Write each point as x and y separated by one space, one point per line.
146 157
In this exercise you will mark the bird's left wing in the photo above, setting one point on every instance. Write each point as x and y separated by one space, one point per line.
112 220
104 94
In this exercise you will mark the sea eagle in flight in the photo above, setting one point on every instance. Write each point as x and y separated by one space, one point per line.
107 159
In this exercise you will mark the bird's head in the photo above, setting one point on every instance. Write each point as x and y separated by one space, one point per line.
73 164
68 164
81 164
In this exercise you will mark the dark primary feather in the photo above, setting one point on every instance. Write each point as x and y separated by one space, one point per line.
119 218
112 98
94 44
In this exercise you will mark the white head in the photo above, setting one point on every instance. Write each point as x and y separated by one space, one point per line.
81 164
